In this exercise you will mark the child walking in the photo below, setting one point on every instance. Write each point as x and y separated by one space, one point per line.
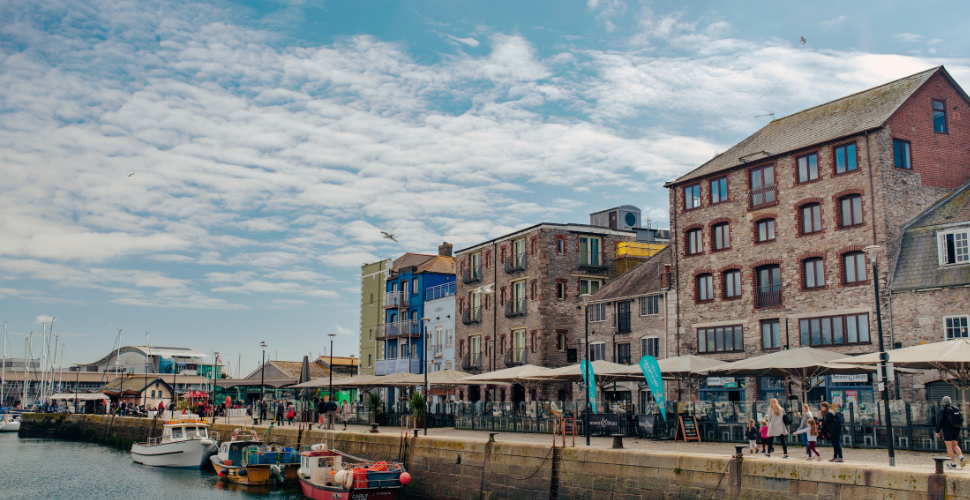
764 437
812 433
752 433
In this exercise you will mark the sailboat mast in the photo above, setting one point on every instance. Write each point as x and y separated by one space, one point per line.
27 354
3 368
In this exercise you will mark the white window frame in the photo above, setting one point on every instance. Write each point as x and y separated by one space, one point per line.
952 316
643 302
448 364
450 337
650 337
597 346
941 246
589 283
597 311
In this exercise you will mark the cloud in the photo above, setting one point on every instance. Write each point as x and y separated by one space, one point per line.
471 42
344 331
838 20
43 318
908 37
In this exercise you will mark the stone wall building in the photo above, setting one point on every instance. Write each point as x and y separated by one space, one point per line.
767 237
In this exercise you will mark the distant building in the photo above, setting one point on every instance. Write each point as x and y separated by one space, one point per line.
153 359
343 366
139 390
372 281
274 379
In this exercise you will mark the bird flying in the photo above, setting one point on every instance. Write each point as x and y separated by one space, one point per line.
129 175
388 236
803 40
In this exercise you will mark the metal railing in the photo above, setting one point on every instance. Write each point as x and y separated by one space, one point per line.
764 195
767 296
395 300
472 315
436 350
516 307
390 366
399 329
593 261
472 362
516 357
472 275
439 291
516 263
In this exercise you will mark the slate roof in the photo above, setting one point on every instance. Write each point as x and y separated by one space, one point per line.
917 262
438 265
641 280
842 117
137 383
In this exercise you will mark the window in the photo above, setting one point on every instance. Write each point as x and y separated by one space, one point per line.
650 346
763 189
835 330
851 210
814 273
811 218
854 265
597 351
722 237
649 305
695 242
705 287
450 337
589 286
518 345
590 251
808 168
622 321
561 341
370 334
766 230
414 286
153 393
769 286
955 327
720 339
845 159
939 117
561 291
719 190
902 155
953 247
770 334
623 354
370 361
692 197
732 284
448 365
372 299
560 246
597 312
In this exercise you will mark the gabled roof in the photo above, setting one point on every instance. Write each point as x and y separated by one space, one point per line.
136 383
438 265
842 117
337 360
917 259
641 280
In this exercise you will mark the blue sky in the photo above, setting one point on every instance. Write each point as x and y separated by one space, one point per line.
270 142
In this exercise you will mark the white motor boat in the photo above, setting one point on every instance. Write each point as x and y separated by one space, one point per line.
183 444
9 423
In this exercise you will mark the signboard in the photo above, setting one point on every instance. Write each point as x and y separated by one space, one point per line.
645 424
687 429
717 381
570 421
731 385
651 372
842 379
589 378
604 423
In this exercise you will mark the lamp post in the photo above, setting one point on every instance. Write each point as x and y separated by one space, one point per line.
330 393
873 251
262 380
424 363
586 381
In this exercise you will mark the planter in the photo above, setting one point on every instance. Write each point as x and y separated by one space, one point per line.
378 419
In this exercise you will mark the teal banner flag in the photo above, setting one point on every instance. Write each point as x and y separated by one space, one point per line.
589 378
651 372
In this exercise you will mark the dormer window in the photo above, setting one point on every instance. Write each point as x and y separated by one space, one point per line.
953 247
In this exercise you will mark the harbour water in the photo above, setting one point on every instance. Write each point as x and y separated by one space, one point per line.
46 469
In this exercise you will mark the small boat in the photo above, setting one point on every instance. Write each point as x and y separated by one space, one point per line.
9 423
324 474
184 443
250 462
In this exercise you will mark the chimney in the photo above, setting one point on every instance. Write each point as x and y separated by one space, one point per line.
444 249
665 279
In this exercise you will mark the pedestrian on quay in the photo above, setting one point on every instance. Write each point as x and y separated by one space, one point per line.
752 433
331 410
811 432
778 422
806 416
280 408
763 432
161 410
290 413
949 424
832 422
321 412
263 407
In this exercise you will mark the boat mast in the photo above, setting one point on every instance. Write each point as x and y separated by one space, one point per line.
3 368
121 392
27 353
60 381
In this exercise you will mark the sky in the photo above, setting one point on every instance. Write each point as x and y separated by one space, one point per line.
212 175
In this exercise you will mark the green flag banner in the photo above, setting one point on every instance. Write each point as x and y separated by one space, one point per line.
589 378
651 372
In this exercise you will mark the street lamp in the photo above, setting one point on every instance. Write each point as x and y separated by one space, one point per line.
424 363
586 382
873 251
262 381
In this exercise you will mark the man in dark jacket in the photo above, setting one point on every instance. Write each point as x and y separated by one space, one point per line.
833 428
280 408
949 425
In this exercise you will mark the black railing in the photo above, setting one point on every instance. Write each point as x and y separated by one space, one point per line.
472 315
593 261
472 362
767 296
516 357
764 195
516 307
472 275
516 263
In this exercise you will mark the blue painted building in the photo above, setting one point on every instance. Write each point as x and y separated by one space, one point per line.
406 291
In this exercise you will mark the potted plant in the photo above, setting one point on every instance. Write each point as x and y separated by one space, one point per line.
375 406
417 408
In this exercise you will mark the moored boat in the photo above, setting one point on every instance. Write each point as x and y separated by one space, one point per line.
329 474
183 444
9 423
250 462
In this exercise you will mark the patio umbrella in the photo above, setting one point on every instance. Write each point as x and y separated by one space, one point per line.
604 371
686 369
805 365
400 378
952 358
523 375
446 378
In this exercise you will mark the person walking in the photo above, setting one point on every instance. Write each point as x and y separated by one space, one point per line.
806 416
752 433
161 410
811 431
832 423
778 422
280 408
949 424
290 413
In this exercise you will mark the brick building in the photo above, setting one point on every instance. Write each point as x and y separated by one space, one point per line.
534 313
767 237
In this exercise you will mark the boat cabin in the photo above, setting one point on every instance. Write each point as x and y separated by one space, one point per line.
231 452
321 467
183 431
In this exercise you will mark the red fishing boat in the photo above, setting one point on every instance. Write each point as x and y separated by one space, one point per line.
327 474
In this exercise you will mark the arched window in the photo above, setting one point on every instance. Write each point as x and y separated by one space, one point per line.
705 287
765 230
732 284
811 218
695 242
854 268
851 208
721 237
769 286
814 273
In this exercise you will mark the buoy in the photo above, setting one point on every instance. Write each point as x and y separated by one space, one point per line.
405 478
242 472
340 477
223 472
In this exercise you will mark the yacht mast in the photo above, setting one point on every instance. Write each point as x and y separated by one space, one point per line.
27 353
3 368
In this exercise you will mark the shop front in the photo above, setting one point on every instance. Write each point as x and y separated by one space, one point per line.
771 388
721 389
845 389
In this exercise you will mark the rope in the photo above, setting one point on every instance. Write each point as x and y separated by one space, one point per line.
537 468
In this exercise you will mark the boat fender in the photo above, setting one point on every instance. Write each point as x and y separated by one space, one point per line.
223 472
274 470
207 442
405 478
242 472
340 477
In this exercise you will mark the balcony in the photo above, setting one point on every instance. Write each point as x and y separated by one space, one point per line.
516 263
472 315
439 291
472 362
764 195
516 357
593 261
472 275
436 351
767 296
395 300
391 366
399 329
516 307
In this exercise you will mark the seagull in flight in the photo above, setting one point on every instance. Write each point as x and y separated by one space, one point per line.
802 40
389 236
129 175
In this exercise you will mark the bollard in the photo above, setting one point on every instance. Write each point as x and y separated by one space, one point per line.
739 451
939 464
491 436
617 441
373 428
415 433
936 483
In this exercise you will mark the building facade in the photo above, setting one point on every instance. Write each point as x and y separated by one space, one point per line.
373 278
768 237
155 359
